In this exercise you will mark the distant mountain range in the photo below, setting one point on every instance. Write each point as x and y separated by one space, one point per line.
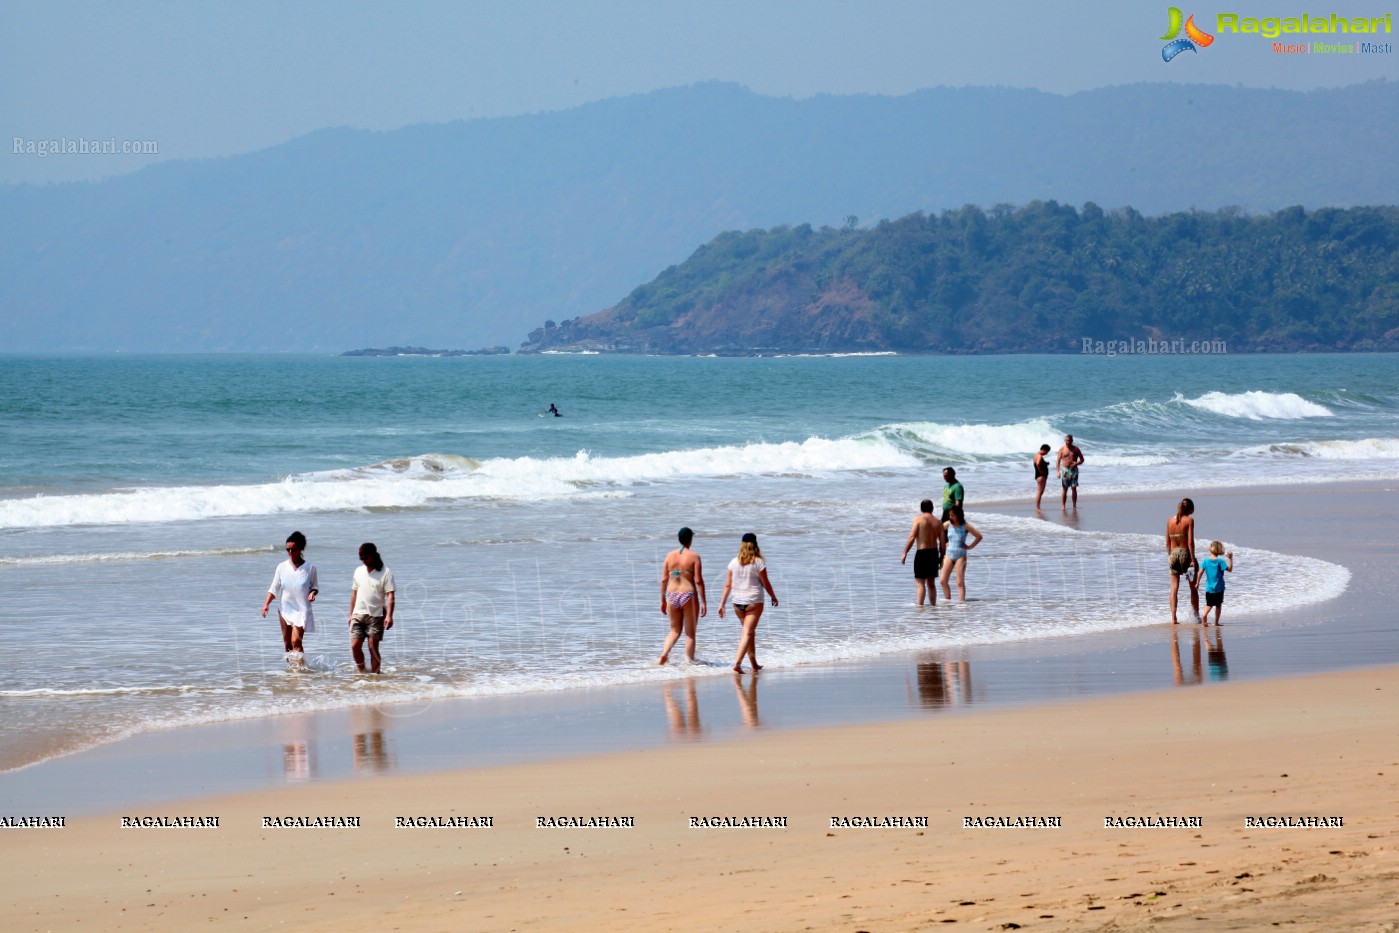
472 233
1043 278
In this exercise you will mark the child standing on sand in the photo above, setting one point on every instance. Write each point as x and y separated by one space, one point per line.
1214 568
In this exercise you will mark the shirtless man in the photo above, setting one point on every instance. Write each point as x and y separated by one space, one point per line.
682 595
931 538
1066 468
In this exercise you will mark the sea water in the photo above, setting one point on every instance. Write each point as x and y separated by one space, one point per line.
144 502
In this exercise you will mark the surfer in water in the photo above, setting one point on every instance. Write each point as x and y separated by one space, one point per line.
554 410
682 595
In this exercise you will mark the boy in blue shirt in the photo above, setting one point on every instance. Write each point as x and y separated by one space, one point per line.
1214 568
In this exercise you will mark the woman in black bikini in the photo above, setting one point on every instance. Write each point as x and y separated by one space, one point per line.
682 595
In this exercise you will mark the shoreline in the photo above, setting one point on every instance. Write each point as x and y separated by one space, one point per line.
1108 780
428 737
1252 804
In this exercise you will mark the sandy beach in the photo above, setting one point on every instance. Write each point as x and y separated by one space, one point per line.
1267 799
1311 750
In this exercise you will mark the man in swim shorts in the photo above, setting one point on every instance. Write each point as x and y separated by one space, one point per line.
1066 468
931 537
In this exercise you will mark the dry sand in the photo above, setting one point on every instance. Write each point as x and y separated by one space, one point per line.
1320 746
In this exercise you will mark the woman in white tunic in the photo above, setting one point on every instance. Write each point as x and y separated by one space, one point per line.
294 585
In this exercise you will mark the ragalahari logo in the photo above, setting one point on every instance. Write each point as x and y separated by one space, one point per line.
1193 36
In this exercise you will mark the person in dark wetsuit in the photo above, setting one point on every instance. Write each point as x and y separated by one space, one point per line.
553 410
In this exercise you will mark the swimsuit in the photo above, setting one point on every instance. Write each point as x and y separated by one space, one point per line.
1180 556
1070 477
675 574
678 599
1042 469
956 542
925 563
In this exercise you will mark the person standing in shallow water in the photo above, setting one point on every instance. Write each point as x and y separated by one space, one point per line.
1041 466
1180 554
955 555
1066 468
682 595
931 537
371 607
952 492
1214 568
747 577
294 585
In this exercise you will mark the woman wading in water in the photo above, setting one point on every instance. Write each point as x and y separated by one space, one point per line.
682 595
746 579
1180 548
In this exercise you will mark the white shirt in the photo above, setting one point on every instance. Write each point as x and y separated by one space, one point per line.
370 587
747 586
292 586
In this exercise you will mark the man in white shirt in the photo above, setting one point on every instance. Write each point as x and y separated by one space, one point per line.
371 607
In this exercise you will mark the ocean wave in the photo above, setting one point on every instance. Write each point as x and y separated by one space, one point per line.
104 691
1369 448
1257 406
971 441
420 481
91 558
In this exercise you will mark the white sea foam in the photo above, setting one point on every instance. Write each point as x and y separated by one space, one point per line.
1370 448
41 560
448 646
978 440
1257 406
415 482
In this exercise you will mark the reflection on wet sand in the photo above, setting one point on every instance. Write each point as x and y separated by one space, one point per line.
371 748
1214 655
684 718
1213 647
299 748
747 699
944 683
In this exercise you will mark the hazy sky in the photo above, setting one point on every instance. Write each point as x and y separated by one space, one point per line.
200 79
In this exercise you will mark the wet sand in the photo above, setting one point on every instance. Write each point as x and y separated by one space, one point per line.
1315 750
1035 743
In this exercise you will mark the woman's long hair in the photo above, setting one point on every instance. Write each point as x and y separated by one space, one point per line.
748 550
1185 508
367 551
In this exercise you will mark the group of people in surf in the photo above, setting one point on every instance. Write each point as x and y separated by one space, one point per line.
942 544
941 552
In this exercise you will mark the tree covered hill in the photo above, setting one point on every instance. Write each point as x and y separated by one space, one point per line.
1038 278
468 234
